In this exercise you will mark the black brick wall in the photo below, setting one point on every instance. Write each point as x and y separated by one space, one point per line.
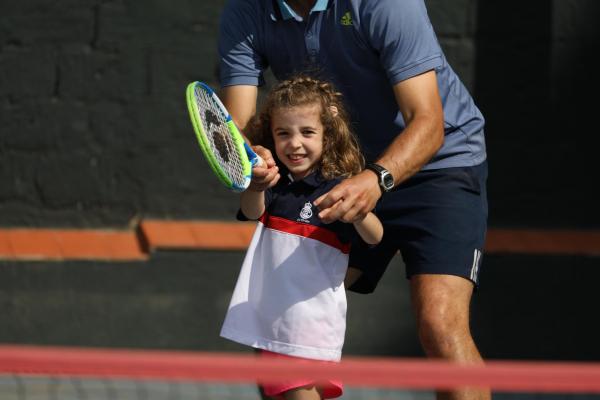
535 83
94 131
93 127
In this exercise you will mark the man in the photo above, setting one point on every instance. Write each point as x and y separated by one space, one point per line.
419 129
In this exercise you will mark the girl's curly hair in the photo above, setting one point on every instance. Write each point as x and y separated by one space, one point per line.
341 151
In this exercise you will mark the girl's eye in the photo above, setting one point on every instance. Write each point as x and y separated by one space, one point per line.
281 133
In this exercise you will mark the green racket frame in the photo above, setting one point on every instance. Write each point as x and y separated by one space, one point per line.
247 156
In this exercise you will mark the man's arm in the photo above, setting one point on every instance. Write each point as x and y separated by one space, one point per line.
240 102
420 104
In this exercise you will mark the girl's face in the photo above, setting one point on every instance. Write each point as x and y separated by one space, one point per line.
298 136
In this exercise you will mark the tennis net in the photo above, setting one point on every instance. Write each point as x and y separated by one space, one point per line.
31 372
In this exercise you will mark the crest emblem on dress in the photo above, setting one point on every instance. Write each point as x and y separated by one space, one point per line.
306 211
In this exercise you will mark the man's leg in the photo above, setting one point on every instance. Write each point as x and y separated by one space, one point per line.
441 304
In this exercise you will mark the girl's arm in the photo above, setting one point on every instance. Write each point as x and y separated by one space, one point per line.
370 229
252 204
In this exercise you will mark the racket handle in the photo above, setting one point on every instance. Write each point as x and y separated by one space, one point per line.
254 158
258 161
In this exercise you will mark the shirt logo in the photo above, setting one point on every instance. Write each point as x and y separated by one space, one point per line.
346 19
306 212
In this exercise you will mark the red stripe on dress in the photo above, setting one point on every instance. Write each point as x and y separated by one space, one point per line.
322 235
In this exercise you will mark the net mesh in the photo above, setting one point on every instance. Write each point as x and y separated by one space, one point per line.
18 387
222 145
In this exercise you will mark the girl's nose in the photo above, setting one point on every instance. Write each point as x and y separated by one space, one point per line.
295 141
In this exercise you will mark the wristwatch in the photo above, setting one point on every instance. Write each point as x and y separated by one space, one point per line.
386 180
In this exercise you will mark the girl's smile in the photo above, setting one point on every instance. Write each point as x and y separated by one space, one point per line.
298 136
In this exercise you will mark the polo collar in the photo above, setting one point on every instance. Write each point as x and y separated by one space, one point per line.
282 11
314 179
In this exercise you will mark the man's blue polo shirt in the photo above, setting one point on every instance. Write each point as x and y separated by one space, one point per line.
363 47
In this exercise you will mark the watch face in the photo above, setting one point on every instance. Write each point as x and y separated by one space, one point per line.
388 181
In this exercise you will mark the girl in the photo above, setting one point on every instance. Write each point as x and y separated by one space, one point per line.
289 299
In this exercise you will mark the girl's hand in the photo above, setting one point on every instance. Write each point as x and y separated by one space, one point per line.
267 174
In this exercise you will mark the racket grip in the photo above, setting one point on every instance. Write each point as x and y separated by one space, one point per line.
254 158
257 162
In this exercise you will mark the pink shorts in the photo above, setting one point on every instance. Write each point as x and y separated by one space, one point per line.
329 389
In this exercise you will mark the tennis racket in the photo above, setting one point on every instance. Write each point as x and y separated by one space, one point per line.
223 146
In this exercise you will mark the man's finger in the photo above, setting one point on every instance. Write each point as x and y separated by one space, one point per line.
335 212
328 199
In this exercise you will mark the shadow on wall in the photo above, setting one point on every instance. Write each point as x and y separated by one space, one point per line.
537 308
534 76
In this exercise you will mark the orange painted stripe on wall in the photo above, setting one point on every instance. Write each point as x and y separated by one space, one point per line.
5 249
209 235
69 244
537 241
151 235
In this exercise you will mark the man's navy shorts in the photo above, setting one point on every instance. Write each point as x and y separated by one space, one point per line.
437 219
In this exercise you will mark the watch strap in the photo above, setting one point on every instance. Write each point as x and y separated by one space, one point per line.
383 175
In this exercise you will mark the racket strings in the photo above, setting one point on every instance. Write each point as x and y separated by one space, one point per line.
223 147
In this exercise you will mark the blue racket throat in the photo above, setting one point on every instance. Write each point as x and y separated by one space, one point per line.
254 158
255 161
240 189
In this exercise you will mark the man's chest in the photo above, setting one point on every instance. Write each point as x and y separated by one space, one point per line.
328 44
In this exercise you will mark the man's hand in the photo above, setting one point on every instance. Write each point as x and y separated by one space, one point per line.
267 174
351 199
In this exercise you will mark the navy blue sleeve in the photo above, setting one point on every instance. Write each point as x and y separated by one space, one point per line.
345 232
400 31
240 34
